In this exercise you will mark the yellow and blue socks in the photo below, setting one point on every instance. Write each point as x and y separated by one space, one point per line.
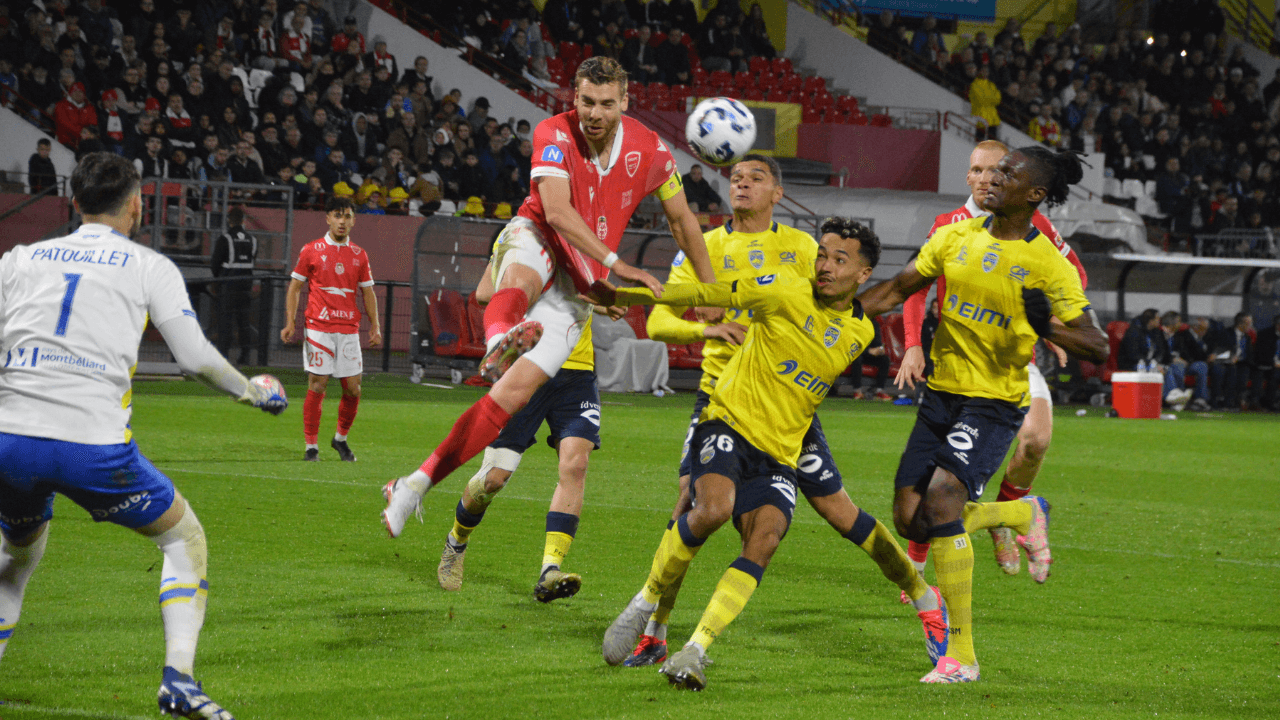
732 593
17 563
464 522
1013 514
672 559
561 529
953 564
183 590
875 540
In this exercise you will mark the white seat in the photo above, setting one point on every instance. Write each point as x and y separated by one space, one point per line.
1133 189
1149 188
1112 187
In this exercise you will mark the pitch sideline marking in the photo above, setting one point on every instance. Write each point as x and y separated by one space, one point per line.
67 712
798 521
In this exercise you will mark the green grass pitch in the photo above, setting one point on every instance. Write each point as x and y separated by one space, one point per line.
1162 601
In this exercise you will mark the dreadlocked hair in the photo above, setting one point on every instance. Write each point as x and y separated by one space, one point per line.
1056 170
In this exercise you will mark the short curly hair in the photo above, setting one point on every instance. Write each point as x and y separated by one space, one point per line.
601 70
868 241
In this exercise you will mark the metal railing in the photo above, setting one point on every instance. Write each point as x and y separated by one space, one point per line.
1250 22
183 218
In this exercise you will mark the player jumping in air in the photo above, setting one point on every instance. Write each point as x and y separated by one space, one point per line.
591 168
749 245
335 270
804 333
1004 282
1037 429
72 312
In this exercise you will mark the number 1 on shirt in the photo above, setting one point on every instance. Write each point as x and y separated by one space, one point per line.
73 281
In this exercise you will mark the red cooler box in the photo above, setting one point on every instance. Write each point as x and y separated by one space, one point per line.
1137 394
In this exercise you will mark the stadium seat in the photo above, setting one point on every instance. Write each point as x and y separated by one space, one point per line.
777 94
1115 334
811 114
758 64
815 85
744 80
893 337
721 79
753 93
474 347
847 103
823 101
450 327
881 120
680 92
636 319
858 118
781 66
791 83
699 76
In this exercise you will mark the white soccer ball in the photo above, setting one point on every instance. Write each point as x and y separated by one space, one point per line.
270 383
720 131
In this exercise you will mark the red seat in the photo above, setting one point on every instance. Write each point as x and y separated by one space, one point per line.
450 326
847 103
721 78
699 76
755 93
636 319
475 346
680 92
811 114
654 41
1115 335
779 95
791 83
823 101
744 80
881 120
815 85
781 65
857 118
758 64
894 339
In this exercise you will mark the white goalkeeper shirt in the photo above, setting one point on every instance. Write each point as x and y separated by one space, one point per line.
72 313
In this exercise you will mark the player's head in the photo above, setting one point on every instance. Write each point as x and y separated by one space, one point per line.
982 165
1054 170
1031 175
847 253
105 187
755 184
340 214
600 97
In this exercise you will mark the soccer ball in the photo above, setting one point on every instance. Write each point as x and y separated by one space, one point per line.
271 397
720 131
270 383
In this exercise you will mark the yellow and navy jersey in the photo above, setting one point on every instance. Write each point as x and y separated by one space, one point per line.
795 349
781 251
983 342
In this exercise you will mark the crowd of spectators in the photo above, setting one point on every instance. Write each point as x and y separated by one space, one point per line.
326 109
1233 367
1173 104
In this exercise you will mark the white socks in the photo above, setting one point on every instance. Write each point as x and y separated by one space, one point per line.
418 482
183 590
16 566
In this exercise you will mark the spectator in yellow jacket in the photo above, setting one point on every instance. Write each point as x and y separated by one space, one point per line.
983 99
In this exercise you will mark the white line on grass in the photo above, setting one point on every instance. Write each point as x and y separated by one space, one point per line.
801 521
67 712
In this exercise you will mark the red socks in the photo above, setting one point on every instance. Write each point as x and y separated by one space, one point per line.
917 551
311 416
505 310
346 412
1011 492
471 433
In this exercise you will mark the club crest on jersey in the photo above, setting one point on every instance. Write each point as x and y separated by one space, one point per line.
551 153
602 228
989 261
831 336
339 269
632 161
757 258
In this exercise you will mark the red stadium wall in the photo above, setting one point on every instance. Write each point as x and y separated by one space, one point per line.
387 238
876 157
29 224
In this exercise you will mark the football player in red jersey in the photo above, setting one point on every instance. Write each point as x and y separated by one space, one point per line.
591 168
335 270
1037 429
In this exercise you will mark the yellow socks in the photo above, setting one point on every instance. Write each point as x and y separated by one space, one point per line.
1013 514
953 564
561 529
873 537
676 551
464 521
731 596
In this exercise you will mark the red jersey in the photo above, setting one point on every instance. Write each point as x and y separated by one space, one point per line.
913 310
604 195
333 273
295 47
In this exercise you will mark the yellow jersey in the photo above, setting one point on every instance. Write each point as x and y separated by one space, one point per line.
782 251
983 342
796 348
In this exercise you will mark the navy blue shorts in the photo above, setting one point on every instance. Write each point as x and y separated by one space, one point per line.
758 478
569 402
816 473
113 482
966 436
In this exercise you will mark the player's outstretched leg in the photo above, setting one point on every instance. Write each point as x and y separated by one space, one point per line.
953 563
17 564
1036 541
651 649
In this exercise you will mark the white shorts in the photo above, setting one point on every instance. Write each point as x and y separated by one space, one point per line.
1039 388
336 354
562 314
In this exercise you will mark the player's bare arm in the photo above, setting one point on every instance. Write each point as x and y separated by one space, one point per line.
291 298
557 205
371 311
889 294
688 234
